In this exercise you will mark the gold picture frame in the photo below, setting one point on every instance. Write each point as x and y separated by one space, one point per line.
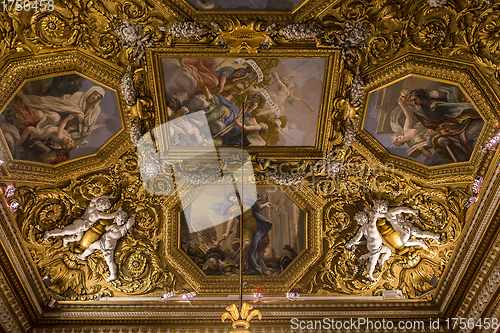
80 62
155 83
463 75
273 284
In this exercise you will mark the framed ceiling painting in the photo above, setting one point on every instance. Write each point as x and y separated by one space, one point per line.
428 121
427 116
55 119
278 101
280 232
60 111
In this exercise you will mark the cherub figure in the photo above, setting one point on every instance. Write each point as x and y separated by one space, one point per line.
406 229
378 251
415 135
57 137
284 93
94 212
400 224
107 243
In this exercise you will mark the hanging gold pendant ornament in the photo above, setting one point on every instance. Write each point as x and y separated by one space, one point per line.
241 321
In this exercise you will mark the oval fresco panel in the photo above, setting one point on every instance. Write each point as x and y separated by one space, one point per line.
56 119
424 120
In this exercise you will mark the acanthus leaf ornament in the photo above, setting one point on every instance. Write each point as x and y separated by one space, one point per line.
431 29
240 319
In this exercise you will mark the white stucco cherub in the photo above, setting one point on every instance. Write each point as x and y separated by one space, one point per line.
107 242
406 229
402 225
94 212
378 252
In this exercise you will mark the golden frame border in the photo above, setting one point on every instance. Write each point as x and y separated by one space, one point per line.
273 284
307 10
331 86
16 72
461 74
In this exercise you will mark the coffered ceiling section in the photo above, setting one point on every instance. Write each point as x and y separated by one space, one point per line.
335 150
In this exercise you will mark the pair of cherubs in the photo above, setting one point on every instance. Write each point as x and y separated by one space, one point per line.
107 243
378 252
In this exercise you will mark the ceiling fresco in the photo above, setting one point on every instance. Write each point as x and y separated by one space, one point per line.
424 120
281 220
197 165
56 119
268 92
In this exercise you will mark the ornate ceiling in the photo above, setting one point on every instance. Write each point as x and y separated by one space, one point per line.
358 139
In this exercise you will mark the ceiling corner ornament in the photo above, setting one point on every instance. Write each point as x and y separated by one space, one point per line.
244 36
240 319
357 90
62 235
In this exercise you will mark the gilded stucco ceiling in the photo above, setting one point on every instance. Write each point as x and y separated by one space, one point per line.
360 138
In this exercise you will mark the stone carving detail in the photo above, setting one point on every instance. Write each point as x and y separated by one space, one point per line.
141 270
358 87
330 166
187 29
107 242
350 134
354 37
437 3
287 179
135 134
